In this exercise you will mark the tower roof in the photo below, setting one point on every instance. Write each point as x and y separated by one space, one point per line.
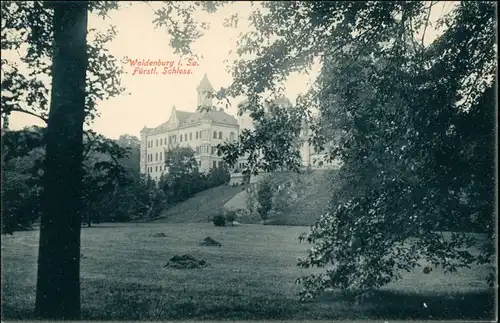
205 84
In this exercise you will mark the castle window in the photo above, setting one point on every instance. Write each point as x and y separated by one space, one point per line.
220 134
215 134
231 137
161 141
196 134
156 168
214 164
165 154
197 150
220 163
156 142
156 157
190 136
165 141
185 137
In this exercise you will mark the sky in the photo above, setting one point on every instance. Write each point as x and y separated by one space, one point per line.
149 98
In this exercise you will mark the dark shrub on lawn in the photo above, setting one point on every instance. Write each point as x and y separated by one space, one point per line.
230 217
219 221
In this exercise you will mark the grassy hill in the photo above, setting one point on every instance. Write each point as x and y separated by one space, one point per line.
200 207
309 207
251 276
304 210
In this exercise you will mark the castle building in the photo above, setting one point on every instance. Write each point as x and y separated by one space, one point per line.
202 131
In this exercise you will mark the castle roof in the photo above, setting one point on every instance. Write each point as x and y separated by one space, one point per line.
185 117
214 116
205 84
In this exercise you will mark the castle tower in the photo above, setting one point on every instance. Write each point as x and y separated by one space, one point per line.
203 98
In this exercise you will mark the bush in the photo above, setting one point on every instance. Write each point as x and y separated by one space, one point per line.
230 216
219 221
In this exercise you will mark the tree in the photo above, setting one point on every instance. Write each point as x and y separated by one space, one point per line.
218 176
399 115
273 143
264 198
132 161
58 282
56 37
22 154
182 173
103 177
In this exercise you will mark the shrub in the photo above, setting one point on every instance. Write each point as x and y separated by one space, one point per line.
230 216
219 221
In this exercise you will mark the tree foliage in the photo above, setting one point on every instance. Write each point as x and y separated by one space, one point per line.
22 154
264 198
113 188
401 115
273 143
183 178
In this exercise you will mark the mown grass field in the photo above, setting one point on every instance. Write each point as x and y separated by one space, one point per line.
250 277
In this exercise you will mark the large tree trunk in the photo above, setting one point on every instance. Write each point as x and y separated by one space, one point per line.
58 283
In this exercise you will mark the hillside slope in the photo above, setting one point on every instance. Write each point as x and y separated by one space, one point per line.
200 207
304 210
308 208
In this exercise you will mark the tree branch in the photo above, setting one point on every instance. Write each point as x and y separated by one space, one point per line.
90 145
427 22
44 119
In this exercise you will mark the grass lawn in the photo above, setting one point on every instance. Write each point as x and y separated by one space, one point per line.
250 277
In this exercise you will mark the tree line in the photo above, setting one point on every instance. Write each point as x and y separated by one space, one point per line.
114 190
